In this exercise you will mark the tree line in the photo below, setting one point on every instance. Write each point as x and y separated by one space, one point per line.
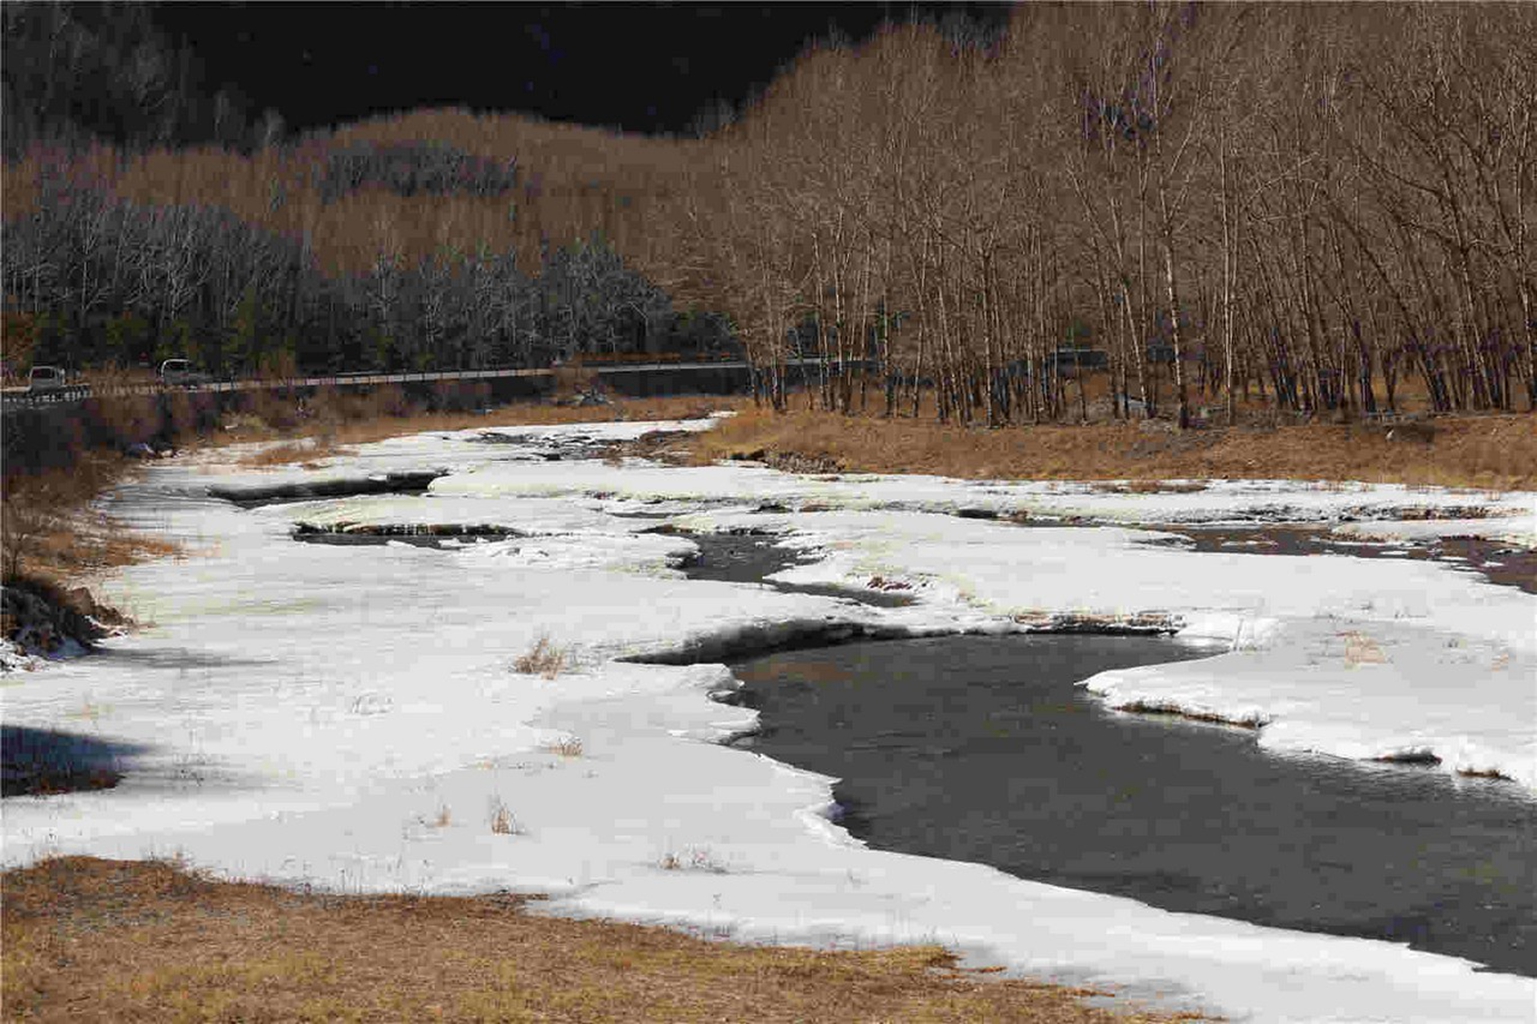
1313 207
1308 204
92 279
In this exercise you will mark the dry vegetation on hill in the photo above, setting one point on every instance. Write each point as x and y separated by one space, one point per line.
1317 201
1321 207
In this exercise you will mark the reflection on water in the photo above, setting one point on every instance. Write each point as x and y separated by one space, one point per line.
982 749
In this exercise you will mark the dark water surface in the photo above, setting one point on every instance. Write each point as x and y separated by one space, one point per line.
982 749
747 558
1499 563
314 490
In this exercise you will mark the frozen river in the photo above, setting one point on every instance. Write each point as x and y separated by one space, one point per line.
349 718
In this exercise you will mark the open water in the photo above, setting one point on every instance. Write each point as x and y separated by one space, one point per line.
982 749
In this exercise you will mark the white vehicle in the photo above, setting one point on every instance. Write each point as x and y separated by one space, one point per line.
179 371
46 378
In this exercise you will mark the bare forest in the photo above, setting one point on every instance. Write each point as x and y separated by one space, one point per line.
1317 208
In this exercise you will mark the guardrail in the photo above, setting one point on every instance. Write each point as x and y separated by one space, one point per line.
20 397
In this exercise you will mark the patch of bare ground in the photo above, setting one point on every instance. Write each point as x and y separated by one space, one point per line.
1141 623
1486 451
669 446
1155 487
89 939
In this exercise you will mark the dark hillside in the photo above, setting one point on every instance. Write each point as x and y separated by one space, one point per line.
72 73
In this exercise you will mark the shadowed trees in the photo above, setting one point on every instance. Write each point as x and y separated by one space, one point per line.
108 280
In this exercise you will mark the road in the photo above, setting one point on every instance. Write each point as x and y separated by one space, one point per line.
18 397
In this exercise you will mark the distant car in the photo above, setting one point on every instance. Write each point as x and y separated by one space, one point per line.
46 378
180 372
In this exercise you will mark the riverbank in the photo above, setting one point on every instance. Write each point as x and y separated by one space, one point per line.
48 530
53 539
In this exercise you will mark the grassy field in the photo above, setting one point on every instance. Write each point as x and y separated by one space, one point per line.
89 939
1495 452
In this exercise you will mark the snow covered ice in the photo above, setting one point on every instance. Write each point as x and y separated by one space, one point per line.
348 718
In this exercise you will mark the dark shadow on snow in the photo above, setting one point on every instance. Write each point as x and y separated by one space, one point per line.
39 762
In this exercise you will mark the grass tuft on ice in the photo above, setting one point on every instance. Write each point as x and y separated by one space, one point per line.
502 821
543 659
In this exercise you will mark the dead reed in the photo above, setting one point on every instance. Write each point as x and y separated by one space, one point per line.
1485 451
544 658
110 940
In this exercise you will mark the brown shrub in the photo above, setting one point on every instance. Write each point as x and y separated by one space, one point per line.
48 529
293 452
543 659
502 822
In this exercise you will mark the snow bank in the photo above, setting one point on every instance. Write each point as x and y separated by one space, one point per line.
535 516
1376 691
1217 501
1517 530
349 718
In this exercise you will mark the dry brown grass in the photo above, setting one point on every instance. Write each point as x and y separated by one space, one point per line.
88 939
303 452
49 531
566 746
502 822
1480 451
1361 649
543 659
